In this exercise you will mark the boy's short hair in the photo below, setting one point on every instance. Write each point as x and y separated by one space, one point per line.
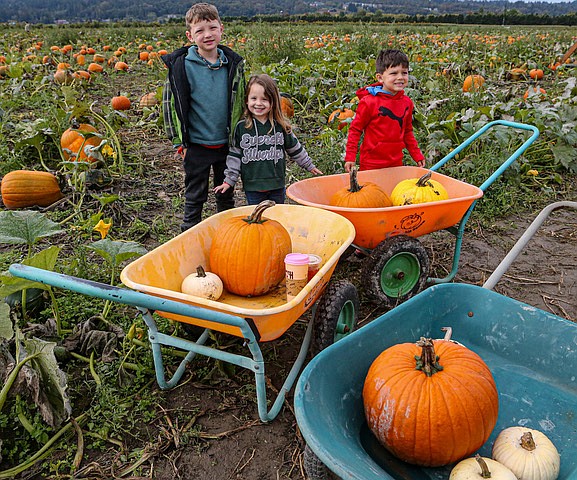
391 58
199 12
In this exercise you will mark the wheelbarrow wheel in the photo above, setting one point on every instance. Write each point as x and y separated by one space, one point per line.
314 468
336 315
396 270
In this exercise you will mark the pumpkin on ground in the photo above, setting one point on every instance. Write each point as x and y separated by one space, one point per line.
120 102
535 93
287 106
75 140
418 190
27 188
341 116
480 468
148 100
473 83
431 403
248 253
528 453
368 195
203 284
536 73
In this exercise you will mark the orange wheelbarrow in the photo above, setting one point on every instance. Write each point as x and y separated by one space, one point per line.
398 265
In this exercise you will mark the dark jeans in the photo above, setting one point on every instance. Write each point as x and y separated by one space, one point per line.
198 162
254 198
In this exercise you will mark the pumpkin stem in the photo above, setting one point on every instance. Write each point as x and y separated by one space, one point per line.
448 333
255 216
485 472
428 362
200 272
354 183
422 182
527 442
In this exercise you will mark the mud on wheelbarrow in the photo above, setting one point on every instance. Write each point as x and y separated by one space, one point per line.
397 266
531 354
155 279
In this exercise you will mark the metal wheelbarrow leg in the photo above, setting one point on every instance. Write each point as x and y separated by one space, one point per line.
147 304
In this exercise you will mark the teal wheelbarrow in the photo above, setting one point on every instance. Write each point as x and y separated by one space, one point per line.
531 353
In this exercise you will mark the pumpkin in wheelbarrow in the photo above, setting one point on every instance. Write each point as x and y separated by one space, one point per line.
418 190
247 253
367 195
430 403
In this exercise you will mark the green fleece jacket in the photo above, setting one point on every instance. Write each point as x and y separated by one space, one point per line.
259 156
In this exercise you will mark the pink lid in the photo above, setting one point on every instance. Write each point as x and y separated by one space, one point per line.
297 259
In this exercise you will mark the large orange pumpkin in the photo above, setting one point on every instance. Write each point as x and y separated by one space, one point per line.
368 195
248 253
75 140
431 403
27 188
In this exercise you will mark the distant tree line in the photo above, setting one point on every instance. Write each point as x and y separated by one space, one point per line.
495 12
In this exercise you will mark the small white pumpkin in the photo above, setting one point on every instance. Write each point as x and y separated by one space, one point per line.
203 284
480 468
529 453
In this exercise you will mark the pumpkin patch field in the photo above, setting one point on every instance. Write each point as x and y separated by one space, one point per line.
90 182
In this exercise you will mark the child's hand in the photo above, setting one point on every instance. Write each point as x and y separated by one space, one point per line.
221 188
349 166
421 163
316 171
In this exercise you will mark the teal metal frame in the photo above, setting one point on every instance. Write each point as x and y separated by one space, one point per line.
459 229
147 304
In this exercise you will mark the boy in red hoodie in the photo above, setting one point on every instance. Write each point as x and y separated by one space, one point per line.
385 116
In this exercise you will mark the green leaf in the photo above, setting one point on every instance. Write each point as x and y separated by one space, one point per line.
25 226
116 251
6 327
46 260
48 385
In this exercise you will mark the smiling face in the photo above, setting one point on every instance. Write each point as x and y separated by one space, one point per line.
258 103
206 34
394 79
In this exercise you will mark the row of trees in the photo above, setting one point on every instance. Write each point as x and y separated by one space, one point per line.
422 11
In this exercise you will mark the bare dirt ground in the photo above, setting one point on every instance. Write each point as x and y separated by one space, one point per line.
222 437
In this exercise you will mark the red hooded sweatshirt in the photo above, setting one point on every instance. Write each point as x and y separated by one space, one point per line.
387 123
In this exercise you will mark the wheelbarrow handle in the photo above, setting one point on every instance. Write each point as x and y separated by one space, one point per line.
497 173
522 242
126 296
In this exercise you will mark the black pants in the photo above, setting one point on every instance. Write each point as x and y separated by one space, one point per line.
198 162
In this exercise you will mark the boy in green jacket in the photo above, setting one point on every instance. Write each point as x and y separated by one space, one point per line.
202 98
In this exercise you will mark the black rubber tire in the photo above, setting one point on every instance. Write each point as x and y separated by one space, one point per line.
336 315
398 263
314 468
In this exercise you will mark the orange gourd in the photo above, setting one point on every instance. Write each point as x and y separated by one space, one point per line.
286 105
341 116
75 140
27 188
473 83
536 73
120 102
368 195
430 403
247 253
